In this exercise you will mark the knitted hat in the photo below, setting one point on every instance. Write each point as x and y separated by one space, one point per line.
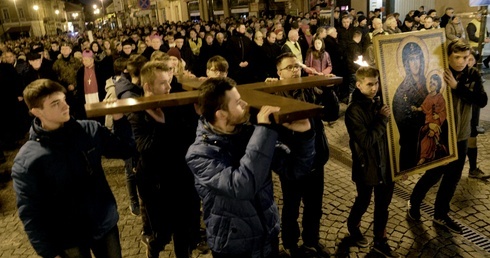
37 48
127 42
33 56
361 18
174 52
409 19
178 36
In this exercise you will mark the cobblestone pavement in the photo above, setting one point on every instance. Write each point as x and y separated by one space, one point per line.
470 207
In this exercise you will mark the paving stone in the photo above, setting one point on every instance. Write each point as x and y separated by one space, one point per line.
470 205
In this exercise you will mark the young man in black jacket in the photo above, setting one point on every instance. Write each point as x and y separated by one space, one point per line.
165 183
366 121
467 89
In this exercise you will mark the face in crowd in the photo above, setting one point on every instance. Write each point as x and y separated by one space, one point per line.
236 112
54 111
368 86
289 68
459 60
161 85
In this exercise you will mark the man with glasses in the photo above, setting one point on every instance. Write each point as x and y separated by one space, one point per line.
300 186
127 49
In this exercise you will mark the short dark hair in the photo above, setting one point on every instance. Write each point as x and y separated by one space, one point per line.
284 56
66 44
212 96
119 65
366 72
35 93
456 46
356 33
219 63
134 64
438 79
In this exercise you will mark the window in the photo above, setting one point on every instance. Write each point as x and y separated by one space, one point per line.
21 13
6 14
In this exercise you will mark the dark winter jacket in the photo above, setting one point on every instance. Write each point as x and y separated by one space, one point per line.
233 178
63 197
44 72
368 141
126 89
468 92
162 148
66 70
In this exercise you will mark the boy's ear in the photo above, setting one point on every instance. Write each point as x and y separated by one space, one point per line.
35 111
358 84
146 88
220 114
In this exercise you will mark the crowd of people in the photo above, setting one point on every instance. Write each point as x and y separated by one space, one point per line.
222 175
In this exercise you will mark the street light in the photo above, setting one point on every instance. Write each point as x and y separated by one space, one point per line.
18 16
103 10
57 12
36 8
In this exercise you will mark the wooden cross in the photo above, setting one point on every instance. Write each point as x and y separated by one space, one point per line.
255 94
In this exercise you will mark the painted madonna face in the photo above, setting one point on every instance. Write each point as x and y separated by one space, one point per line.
414 63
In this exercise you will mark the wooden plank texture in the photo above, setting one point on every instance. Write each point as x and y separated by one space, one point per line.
277 86
290 109
293 83
136 104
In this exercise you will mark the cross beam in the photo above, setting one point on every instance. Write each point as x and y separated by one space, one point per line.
276 86
290 109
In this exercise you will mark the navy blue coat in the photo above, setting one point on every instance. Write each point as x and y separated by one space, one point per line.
233 178
63 197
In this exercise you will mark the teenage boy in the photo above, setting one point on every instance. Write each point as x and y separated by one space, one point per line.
231 161
217 67
165 183
366 121
300 186
466 87
64 200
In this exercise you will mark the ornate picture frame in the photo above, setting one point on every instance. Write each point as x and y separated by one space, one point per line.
421 130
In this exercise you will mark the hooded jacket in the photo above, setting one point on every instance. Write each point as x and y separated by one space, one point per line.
233 178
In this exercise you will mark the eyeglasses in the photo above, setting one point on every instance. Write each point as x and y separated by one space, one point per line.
291 67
